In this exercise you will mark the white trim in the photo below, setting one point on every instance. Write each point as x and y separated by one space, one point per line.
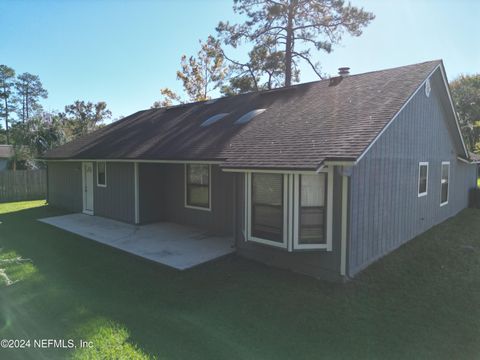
102 185
84 194
406 103
291 187
343 243
210 162
459 158
448 182
248 200
329 209
137 197
270 171
340 163
420 164
209 190
445 82
296 216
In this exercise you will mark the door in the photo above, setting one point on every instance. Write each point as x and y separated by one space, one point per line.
87 183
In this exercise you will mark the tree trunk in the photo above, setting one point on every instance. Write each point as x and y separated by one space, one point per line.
6 120
289 44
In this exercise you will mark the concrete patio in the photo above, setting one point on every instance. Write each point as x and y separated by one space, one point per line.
178 246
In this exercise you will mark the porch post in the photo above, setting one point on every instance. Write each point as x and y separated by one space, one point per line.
137 200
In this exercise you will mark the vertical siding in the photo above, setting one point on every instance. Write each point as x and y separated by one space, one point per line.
65 185
162 198
318 263
151 192
385 210
117 200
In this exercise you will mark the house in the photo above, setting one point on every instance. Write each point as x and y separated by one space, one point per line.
322 178
6 152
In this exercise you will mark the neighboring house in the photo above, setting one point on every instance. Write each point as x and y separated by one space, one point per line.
322 178
6 152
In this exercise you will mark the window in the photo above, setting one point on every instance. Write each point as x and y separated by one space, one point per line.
422 179
197 186
102 173
267 207
444 183
312 210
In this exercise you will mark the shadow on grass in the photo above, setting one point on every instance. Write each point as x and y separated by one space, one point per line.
420 302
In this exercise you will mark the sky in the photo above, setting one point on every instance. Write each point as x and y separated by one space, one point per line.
122 52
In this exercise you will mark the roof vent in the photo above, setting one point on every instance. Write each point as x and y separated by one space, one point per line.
344 71
214 119
248 116
211 101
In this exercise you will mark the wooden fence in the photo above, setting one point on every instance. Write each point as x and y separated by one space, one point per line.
21 185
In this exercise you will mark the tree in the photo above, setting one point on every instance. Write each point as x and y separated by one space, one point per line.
200 74
7 77
263 71
466 97
29 91
293 28
84 117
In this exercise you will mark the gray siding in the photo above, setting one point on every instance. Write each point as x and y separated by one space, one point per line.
318 263
162 198
151 193
65 185
385 210
117 200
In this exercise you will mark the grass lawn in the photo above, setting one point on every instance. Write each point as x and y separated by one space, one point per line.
422 302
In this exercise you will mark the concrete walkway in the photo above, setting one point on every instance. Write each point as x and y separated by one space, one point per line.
178 246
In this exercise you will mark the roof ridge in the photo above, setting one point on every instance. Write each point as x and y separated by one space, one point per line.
285 88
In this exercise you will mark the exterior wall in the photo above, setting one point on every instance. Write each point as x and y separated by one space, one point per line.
385 210
318 263
162 198
117 200
65 185
151 192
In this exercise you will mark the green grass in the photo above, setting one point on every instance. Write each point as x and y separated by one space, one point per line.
478 183
421 302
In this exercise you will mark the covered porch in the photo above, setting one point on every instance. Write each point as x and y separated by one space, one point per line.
178 246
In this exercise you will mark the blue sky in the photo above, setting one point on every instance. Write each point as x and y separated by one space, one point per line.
123 52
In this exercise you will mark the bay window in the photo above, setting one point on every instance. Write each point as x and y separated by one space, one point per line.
267 207
312 209
289 210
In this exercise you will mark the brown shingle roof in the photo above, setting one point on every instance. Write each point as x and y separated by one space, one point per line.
302 126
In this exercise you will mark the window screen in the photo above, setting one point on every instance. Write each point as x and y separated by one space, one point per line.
267 206
422 179
444 182
312 209
101 173
198 186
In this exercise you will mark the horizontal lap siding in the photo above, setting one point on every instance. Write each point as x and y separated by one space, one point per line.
385 209
117 200
65 185
318 263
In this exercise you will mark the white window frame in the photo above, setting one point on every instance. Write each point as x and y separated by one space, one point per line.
248 201
296 215
98 184
448 182
420 164
290 212
185 197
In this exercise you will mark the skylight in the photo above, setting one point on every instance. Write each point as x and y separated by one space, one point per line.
249 116
214 119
